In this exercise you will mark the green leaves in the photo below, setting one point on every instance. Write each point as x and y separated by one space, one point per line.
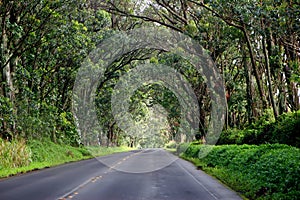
14 154
259 172
266 130
46 42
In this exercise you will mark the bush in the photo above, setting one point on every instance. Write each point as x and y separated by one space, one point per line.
192 150
270 171
14 154
171 145
285 130
181 148
231 136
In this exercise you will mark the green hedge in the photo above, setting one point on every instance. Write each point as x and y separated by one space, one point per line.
270 171
285 130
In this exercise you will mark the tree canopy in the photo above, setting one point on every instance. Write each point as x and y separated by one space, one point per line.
255 46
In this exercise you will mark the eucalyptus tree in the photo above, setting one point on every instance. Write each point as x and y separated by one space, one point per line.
42 46
264 34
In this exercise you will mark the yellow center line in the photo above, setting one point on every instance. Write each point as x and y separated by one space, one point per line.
74 192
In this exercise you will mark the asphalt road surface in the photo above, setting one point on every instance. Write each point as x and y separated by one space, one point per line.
148 174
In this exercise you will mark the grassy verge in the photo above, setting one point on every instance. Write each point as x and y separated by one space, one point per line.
257 172
20 157
102 151
171 146
171 150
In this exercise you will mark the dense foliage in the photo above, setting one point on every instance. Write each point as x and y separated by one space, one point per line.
270 171
285 130
255 46
42 45
14 154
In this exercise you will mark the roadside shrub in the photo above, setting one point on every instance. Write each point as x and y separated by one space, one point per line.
231 136
269 171
181 148
285 130
192 150
171 145
84 151
14 154
277 172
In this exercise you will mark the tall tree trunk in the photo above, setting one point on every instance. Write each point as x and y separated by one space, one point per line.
254 68
110 134
293 98
9 60
267 64
249 92
7 74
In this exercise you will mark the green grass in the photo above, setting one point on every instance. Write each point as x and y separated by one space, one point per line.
270 171
102 151
171 150
20 157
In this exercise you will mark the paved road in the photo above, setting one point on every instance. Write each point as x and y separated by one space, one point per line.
142 174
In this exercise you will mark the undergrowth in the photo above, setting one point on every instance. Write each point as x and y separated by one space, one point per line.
284 130
270 171
14 154
17 156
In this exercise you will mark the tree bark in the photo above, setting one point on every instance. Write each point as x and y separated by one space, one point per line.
267 64
249 92
254 68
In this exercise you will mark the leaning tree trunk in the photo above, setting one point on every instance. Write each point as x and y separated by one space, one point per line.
254 68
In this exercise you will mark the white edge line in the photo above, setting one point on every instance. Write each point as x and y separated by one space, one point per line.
196 180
